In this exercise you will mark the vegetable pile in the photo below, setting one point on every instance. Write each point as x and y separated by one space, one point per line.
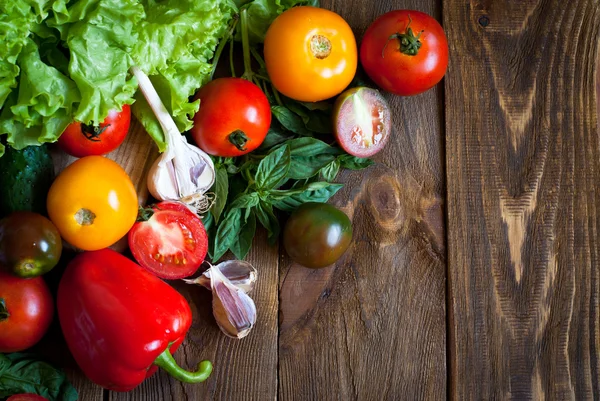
257 144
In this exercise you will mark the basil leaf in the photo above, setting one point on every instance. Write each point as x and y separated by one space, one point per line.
221 189
245 201
208 221
316 121
274 137
24 373
306 167
242 245
299 110
315 192
320 122
323 105
330 171
266 217
289 120
354 163
274 168
227 233
305 147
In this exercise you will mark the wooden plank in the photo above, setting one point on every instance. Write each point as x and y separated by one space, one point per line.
243 369
523 165
373 327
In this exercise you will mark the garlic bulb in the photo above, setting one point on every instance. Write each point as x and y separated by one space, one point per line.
240 273
233 309
183 172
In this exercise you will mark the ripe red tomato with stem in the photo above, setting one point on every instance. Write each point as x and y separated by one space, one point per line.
405 52
81 140
169 240
26 397
233 119
26 311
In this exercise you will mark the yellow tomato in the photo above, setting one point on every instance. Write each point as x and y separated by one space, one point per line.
310 53
93 203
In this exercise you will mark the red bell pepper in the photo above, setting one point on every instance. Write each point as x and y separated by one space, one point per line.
121 322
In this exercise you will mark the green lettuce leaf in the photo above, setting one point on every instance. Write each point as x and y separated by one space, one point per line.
100 35
42 107
176 42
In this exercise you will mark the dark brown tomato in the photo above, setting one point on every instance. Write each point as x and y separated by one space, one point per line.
30 245
362 121
317 235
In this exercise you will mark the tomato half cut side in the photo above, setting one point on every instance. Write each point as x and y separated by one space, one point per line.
171 244
362 121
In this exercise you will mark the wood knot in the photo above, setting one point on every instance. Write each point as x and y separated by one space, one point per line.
484 20
386 207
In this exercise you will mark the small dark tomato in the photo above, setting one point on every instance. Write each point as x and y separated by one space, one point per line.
30 245
81 140
317 235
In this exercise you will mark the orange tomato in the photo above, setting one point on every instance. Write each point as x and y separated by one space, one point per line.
93 203
310 53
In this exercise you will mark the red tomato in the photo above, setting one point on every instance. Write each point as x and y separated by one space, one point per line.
233 119
84 140
170 240
26 311
405 52
26 397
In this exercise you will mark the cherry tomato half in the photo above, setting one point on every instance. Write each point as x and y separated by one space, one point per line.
81 140
310 53
362 121
93 203
405 52
26 311
233 119
170 240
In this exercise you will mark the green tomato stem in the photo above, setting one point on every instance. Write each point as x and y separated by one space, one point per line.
231 65
246 46
221 46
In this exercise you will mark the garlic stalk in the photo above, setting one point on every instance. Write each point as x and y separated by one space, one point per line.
183 172
240 273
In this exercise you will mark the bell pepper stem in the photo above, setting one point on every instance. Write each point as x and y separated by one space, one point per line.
167 362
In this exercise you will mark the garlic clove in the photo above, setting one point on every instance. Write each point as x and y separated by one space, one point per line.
240 273
234 310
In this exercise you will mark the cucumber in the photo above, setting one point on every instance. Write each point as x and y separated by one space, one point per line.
25 178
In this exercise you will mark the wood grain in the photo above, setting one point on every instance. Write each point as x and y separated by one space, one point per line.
243 369
373 327
523 164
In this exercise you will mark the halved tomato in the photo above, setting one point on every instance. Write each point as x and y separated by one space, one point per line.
169 240
362 121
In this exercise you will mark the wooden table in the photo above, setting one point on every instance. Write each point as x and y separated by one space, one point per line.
475 269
